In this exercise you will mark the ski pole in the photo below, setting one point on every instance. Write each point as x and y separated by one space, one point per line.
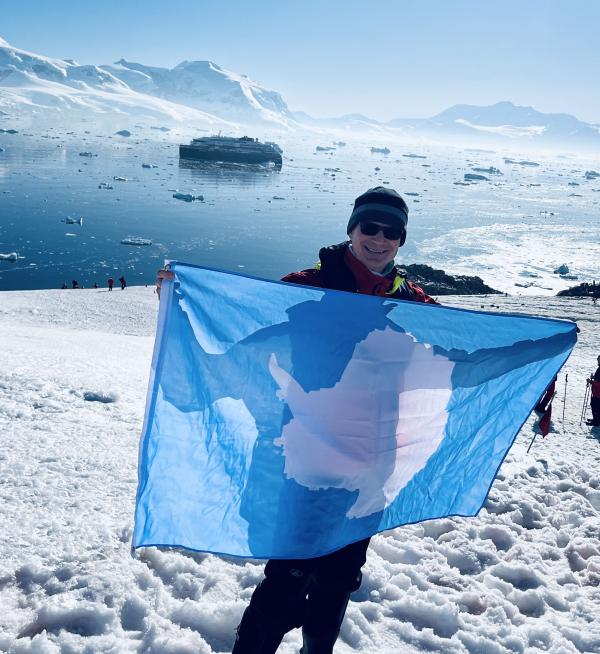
585 401
565 397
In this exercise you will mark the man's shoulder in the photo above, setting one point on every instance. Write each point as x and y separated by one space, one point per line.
416 293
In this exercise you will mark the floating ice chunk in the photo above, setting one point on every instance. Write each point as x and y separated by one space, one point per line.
135 240
591 174
123 132
561 270
489 171
87 154
144 165
411 155
9 256
324 148
380 150
523 162
474 177
118 178
106 186
74 221
188 197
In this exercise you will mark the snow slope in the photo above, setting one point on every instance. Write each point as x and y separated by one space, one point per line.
524 576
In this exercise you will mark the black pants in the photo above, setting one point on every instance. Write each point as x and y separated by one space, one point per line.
595 404
308 593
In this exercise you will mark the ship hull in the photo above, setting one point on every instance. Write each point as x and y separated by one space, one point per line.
196 153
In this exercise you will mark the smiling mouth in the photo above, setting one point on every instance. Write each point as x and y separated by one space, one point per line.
368 249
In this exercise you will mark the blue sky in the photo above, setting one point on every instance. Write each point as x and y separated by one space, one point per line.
404 58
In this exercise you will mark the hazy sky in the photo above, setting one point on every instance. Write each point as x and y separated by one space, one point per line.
404 59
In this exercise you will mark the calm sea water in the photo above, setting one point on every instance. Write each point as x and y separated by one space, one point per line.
511 231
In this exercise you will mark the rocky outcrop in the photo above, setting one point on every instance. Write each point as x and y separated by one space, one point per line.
585 289
437 282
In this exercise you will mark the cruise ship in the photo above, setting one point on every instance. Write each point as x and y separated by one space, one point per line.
231 149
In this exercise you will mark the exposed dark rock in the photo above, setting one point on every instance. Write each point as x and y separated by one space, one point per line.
437 282
582 290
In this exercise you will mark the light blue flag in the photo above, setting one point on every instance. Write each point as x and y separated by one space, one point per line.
285 421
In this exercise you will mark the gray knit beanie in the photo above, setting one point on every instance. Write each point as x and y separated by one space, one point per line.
379 204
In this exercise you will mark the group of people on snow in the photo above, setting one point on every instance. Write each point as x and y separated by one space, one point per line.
110 282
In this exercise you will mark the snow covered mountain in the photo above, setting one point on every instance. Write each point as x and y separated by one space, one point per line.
502 122
195 92
205 86
201 93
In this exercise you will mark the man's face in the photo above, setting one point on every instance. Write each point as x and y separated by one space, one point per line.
376 251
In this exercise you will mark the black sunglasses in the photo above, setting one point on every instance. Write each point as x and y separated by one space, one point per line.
391 233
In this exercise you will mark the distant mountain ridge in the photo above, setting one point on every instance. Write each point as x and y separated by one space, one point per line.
203 93
504 121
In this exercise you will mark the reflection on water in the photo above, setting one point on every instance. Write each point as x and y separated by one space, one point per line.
225 167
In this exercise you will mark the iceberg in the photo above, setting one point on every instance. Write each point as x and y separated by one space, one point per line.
10 256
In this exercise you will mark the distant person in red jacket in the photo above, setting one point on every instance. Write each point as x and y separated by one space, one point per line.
110 283
594 380
122 282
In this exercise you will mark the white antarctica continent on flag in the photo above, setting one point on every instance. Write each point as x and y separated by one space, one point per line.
376 428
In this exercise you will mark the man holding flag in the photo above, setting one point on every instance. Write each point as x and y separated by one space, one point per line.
292 421
314 593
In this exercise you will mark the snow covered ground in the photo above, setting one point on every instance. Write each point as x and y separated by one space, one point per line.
524 576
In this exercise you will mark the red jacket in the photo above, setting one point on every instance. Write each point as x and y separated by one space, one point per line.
339 269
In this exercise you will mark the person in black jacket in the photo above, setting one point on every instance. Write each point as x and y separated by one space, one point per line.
314 593
594 380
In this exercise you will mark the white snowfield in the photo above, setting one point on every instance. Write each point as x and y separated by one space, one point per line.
524 576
